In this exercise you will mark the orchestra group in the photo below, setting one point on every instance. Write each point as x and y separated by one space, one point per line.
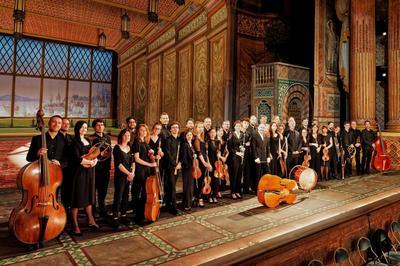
196 151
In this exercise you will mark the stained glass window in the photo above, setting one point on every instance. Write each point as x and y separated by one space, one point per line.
54 91
55 60
102 66
6 54
5 94
79 63
29 57
27 94
78 99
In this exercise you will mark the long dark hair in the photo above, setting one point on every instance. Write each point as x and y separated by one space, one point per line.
121 134
78 126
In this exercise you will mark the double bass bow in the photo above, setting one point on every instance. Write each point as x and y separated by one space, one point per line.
39 217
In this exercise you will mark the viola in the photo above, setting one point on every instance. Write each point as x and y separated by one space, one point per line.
196 172
39 217
219 171
325 154
381 160
307 158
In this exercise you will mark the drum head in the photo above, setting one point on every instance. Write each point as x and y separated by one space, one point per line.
308 179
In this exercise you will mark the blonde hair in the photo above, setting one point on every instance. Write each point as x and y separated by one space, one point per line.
147 137
198 134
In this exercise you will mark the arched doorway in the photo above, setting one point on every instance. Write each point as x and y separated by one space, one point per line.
294 109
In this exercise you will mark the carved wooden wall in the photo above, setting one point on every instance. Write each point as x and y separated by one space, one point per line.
217 72
154 94
169 85
185 84
140 92
249 52
125 93
200 80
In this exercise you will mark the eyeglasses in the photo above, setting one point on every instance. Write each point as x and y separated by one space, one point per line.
174 127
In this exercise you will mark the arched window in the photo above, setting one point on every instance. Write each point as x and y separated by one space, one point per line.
295 109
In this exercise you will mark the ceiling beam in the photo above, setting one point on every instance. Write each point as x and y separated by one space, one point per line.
128 8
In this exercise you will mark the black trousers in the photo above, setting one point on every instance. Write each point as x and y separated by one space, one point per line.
102 180
366 161
187 187
247 164
170 188
315 161
275 166
358 160
236 174
261 169
291 162
139 198
121 195
66 187
334 163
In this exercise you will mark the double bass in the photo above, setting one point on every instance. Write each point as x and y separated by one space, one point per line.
381 160
39 216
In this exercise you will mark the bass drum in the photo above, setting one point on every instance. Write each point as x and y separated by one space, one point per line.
306 177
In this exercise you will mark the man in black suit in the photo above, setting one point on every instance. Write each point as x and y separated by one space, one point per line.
260 151
294 145
347 141
55 144
367 137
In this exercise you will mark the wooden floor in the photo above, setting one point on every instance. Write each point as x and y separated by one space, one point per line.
229 231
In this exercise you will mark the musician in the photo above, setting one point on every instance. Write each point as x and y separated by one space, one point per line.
326 144
54 140
172 146
367 138
347 142
164 120
214 146
253 125
304 144
283 149
66 186
313 140
357 144
142 152
155 139
263 120
226 126
186 155
337 162
274 150
200 149
248 158
123 175
276 119
236 151
131 126
189 127
333 152
102 169
207 127
294 145
304 125
223 155
260 150
83 186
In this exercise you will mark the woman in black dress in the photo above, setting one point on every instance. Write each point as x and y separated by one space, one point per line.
123 175
326 143
155 139
304 145
213 150
313 140
200 149
236 151
141 151
83 187
274 149
186 154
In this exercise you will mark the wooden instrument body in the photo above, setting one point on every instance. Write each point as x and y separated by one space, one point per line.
273 190
152 207
196 172
325 155
219 171
381 161
207 187
307 158
93 153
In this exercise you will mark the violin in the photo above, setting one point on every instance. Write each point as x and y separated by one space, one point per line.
101 150
219 171
381 160
154 193
39 217
196 172
325 154
207 179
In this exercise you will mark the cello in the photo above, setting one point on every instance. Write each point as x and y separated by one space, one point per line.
39 216
381 160
154 193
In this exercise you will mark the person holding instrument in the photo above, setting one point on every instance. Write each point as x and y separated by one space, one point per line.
83 186
347 142
325 143
313 140
367 139
172 146
274 150
357 144
124 173
213 149
186 156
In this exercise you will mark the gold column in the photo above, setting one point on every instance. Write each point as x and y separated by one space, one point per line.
394 66
362 61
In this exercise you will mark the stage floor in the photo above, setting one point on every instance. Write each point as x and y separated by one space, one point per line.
218 234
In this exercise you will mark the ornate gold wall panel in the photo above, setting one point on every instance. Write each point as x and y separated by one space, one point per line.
154 99
169 85
200 80
125 93
140 92
217 75
184 84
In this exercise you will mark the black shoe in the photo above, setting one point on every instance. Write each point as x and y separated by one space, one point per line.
125 220
173 211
